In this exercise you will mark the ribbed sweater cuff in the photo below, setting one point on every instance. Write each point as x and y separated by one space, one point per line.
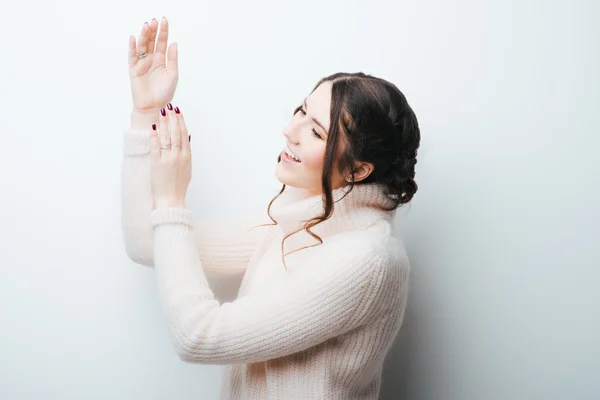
136 141
171 215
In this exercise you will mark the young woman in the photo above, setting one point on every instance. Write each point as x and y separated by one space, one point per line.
324 280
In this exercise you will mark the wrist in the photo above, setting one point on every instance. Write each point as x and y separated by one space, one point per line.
144 118
166 203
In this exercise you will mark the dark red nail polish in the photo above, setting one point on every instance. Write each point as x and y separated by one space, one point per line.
153 126
163 112
177 110
169 106
190 138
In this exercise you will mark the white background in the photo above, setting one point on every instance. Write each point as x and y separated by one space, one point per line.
503 233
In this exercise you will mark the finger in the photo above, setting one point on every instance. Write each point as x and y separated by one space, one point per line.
142 46
163 130
154 142
172 66
163 35
132 51
152 35
185 136
174 129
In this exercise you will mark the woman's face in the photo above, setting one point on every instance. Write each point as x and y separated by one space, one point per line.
306 136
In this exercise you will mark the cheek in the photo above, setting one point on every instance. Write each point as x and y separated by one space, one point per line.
314 160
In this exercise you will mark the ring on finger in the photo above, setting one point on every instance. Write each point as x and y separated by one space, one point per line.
165 144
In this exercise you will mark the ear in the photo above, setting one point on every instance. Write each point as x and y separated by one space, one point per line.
362 170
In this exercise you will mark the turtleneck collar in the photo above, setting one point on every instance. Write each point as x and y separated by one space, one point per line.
352 210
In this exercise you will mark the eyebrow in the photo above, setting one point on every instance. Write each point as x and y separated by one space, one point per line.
315 120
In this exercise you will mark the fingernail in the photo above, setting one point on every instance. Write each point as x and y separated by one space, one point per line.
177 110
190 138
163 112
169 106
153 126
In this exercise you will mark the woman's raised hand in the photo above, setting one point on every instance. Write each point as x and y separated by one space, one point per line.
152 83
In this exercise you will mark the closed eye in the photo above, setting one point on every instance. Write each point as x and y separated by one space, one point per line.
314 131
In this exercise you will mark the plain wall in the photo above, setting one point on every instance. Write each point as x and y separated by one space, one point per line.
503 233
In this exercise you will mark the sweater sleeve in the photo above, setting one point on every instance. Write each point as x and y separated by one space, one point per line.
332 295
224 246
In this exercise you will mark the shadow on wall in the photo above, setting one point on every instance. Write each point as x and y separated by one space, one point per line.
406 372
397 368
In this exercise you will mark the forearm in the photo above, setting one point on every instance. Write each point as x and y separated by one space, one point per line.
136 194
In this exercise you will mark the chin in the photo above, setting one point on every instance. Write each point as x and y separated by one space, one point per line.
285 178
282 176
295 179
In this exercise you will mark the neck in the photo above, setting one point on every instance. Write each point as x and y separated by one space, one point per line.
303 193
352 210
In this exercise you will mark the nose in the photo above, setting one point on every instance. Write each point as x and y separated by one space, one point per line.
292 132
287 135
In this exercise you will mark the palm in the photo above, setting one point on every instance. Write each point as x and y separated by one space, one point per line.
152 83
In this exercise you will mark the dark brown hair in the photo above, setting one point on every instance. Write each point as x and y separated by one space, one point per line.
376 125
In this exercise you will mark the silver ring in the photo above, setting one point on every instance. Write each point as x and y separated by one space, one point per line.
142 55
165 147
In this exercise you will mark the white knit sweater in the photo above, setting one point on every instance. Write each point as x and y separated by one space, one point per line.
318 331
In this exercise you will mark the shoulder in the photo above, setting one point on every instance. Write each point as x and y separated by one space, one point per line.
384 262
389 260
381 259
376 247
380 270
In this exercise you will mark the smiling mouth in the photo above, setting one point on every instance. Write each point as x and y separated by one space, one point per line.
285 156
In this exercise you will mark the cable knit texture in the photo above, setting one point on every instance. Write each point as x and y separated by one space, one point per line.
319 330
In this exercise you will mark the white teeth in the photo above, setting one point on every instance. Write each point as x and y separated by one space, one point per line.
289 153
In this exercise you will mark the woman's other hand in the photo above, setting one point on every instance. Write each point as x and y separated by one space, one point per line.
152 83
171 168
